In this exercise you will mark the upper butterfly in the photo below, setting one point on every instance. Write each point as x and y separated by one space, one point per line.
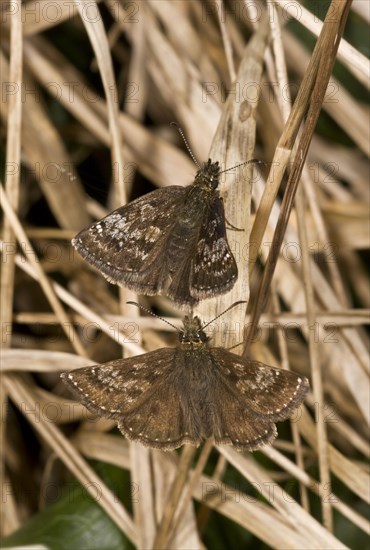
171 241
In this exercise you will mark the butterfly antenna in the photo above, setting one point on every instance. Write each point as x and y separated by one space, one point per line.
226 310
235 346
179 129
153 314
253 161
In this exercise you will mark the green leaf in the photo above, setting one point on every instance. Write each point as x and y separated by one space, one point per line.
76 520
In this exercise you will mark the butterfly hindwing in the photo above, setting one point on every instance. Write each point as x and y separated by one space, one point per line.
214 266
159 422
222 413
236 425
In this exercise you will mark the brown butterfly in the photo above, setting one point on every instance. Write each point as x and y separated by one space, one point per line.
171 241
190 393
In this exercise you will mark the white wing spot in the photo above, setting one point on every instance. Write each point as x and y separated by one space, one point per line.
152 233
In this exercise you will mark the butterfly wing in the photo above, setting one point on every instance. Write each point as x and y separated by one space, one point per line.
125 245
234 425
214 267
248 397
270 392
159 422
140 393
118 387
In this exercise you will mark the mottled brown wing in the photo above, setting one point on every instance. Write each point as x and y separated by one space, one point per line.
140 393
214 267
233 424
160 422
268 392
118 387
126 245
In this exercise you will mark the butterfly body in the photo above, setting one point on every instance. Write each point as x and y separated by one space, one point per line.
171 241
190 393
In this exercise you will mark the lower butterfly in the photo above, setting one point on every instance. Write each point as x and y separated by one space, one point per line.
190 393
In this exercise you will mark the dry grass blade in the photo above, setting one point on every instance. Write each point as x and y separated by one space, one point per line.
194 480
98 38
142 475
81 308
27 360
233 144
354 60
315 364
352 475
313 90
13 156
23 396
44 281
186 459
307 526
359 520
226 42
46 154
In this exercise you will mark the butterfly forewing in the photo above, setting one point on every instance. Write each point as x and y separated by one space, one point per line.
118 387
266 391
126 245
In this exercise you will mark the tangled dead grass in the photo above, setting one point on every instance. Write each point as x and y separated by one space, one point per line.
300 256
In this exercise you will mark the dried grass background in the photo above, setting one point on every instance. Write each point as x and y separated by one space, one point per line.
88 91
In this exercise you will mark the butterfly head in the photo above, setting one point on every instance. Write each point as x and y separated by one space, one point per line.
193 333
208 175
